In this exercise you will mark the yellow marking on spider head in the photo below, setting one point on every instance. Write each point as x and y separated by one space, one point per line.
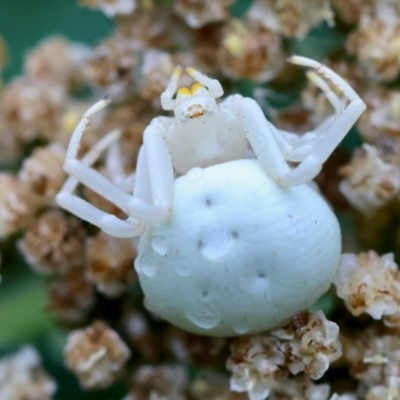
185 91
190 71
195 87
177 72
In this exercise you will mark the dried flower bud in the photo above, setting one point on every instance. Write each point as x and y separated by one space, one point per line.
111 8
96 355
374 357
310 342
196 349
42 173
140 336
111 66
212 385
390 391
375 44
291 18
10 146
369 283
16 206
156 27
250 51
351 11
369 182
54 243
300 388
382 116
23 378
56 61
71 297
162 382
110 264
30 108
345 396
156 72
198 13
257 365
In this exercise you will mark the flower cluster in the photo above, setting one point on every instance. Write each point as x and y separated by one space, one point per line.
91 285
260 363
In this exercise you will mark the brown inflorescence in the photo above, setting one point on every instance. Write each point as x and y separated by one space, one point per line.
161 382
97 355
375 42
260 363
54 243
109 264
71 297
198 13
22 377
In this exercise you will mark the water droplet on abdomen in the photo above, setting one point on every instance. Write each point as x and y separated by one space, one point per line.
204 317
240 329
147 264
160 245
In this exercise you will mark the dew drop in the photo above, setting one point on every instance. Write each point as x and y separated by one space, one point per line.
204 317
240 329
217 241
160 245
147 264
194 174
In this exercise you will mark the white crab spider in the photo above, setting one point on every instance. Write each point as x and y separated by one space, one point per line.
202 134
205 142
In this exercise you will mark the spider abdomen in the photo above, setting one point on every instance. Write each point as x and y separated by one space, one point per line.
239 254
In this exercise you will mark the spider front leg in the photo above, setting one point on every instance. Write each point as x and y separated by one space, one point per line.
263 136
82 209
154 174
134 205
295 147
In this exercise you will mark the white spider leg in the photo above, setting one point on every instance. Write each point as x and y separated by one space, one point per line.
116 171
329 94
261 135
142 187
328 74
81 208
167 100
155 175
87 176
344 120
83 124
98 183
213 85
296 147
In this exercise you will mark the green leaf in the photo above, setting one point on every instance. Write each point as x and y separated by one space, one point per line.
240 7
22 312
319 43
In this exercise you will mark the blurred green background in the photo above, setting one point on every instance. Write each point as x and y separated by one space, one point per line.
23 23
